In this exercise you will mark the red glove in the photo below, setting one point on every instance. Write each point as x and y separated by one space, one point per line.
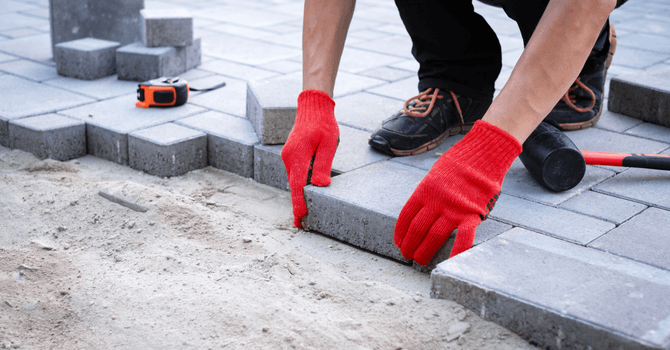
460 190
310 147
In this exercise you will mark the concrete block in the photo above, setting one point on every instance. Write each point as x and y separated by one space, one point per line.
87 58
643 238
644 96
361 207
563 224
231 99
230 141
167 150
604 207
269 168
30 70
137 62
558 295
69 21
49 136
271 107
166 27
109 122
651 131
18 91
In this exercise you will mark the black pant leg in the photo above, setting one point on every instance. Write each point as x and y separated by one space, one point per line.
455 47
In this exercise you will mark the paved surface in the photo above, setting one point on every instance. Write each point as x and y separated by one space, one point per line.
615 223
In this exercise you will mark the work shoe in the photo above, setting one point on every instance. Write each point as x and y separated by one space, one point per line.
582 104
425 120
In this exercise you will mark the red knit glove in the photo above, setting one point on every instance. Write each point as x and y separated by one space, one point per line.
310 147
460 190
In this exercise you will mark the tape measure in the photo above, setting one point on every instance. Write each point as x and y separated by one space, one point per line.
165 92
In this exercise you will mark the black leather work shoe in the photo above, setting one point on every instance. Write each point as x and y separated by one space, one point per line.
582 105
425 121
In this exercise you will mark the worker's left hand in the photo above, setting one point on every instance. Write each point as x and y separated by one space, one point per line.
459 191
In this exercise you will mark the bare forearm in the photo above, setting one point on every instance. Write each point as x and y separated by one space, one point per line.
550 63
324 31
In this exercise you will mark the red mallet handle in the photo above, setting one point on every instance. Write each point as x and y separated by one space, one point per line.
633 160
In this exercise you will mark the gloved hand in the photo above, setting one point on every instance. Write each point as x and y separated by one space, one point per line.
460 190
311 146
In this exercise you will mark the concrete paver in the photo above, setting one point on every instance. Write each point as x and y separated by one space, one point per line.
271 107
364 110
166 27
30 70
86 58
612 209
643 96
49 136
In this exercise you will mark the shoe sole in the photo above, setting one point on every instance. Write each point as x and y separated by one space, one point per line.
460 129
594 120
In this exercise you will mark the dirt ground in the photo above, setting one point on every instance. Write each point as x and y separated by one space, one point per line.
213 264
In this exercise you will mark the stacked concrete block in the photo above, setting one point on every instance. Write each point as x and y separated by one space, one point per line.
49 136
167 150
644 96
87 58
271 107
161 27
138 62
230 141
113 20
559 295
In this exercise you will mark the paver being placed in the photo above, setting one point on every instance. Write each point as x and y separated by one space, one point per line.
643 238
271 107
560 295
22 98
361 207
167 150
230 141
604 207
563 224
645 96
166 27
49 136
86 58
109 122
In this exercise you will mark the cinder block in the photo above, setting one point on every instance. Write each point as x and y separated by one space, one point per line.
166 27
230 141
269 168
87 58
271 107
560 295
49 136
361 207
137 62
167 150
644 96
114 20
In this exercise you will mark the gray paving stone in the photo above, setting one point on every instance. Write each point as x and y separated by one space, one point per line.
100 89
269 168
410 65
642 96
109 122
246 51
13 103
137 62
348 83
271 107
603 207
20 33
115 20
615 121
643 41
69 21
647 25
651 131
5 57
594 139
49 136
250 17
17 20
364 110
238 30
559 295
167 150
643 238
237 70
231 99
166 27
396 45
230 141
563 224
401 89
282 66
387 73
193 54
425 161
36 48
356 60
637 58
361 207
86 58
30 70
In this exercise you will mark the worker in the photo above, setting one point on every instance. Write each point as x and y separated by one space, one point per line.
568 45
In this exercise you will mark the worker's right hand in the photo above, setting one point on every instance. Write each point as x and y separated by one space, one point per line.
311 146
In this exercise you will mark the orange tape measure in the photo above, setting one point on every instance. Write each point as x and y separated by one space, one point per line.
165 92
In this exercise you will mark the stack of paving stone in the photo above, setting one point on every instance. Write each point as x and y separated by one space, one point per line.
167 48
643 96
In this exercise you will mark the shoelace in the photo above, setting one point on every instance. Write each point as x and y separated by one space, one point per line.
419 110
571 99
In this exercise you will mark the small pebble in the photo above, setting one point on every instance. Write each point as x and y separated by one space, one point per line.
246 239
8 303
